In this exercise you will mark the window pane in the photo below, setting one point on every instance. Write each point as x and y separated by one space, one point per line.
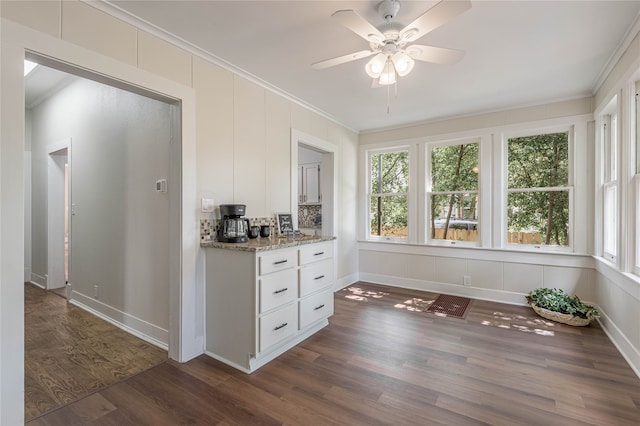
390 173
610 219
540 218
454 217
539 161
454 168
388 216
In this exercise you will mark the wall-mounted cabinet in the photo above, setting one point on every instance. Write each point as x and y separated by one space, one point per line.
309 184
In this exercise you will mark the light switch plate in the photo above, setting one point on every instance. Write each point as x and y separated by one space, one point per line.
207 205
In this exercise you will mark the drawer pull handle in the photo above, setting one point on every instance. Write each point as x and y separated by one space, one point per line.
318 307
283 325
282 290
319 253
280 262
319 278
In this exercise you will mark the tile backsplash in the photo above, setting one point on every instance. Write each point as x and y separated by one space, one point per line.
209 227
310 216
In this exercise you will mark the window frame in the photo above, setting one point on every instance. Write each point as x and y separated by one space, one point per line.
369 153
570 129
609 148
426 216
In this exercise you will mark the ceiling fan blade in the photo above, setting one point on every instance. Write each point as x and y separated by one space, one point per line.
438 15
437 55
341 59
356 23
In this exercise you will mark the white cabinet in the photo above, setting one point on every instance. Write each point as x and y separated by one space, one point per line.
309 184
260 304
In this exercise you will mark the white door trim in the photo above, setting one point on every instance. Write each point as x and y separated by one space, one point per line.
59 154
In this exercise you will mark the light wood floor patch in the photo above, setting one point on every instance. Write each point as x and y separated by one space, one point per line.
70 353
384 360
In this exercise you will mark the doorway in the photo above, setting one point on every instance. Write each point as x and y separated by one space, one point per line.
312 156
98 222
58 229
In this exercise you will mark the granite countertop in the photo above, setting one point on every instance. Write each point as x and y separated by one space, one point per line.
264 244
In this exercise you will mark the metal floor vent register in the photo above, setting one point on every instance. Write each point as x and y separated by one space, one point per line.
450 306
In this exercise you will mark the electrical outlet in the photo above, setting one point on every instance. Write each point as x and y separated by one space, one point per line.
467 280
95 291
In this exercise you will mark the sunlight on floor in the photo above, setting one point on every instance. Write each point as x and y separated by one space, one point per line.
533 324
356 293
414 305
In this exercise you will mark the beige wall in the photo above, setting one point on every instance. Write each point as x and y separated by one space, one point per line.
483 121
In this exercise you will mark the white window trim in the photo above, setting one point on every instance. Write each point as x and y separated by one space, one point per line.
570 129
411 192
424 218
610 169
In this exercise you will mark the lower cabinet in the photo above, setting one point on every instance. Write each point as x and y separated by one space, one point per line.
258 305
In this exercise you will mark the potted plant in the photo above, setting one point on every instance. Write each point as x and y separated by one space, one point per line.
556 305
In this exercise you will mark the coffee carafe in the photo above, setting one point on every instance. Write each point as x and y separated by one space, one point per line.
233 227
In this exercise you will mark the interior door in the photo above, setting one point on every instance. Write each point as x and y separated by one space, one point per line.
57 214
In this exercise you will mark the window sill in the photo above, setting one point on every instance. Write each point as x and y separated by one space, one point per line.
556 258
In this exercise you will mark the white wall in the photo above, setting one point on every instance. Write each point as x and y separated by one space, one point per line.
308 156
119 238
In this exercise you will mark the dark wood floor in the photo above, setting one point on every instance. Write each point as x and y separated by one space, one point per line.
70 353
383 360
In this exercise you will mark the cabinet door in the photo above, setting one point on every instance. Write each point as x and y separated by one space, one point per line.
277 261
315 276
278 325
300 184
311 183
316 252
277 289
316 307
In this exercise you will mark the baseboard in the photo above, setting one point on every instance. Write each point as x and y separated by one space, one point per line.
146 331
39 280
452 289
345 281
625 347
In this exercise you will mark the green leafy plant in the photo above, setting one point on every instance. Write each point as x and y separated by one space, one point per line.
558 301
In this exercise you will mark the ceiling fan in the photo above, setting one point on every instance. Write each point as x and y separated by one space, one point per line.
391 41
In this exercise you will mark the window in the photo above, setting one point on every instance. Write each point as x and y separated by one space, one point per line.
609 138
538 190
452 195
388 194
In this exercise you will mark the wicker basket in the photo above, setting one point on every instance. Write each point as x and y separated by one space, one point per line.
561 318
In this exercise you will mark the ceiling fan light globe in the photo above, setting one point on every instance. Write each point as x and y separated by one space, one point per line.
403 63
376 65
388 76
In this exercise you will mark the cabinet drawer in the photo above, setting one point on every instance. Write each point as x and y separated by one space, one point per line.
277 261
278 325
277 289
315 276
316 307
315 252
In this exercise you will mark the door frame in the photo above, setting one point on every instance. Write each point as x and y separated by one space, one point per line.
56 214
329 172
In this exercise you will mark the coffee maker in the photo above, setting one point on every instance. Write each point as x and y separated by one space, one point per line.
233 227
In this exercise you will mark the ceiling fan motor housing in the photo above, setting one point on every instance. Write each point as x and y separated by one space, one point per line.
389 9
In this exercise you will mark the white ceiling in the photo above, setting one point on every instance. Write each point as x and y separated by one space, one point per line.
518 53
